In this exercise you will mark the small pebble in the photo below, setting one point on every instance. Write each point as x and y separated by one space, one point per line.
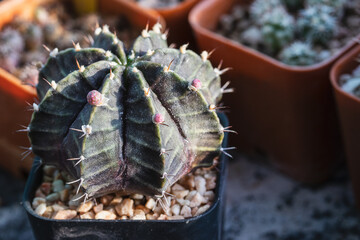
175 209
125 207
202 209
139 215
87 215
46 188
106 200
106 215
85 207
180 193
116 201
200 184
37 201
41 209
186 211
150 204
52 197
98 208
65 214
57 186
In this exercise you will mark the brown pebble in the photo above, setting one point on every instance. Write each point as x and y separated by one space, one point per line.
98 208
111 209
177 187
194 210
39 193
64 195
85 207
48 212
65 214
150 204
180 193
105 200
162 217
125 207
123 217
116 201
46 188
106 215
150 217
87 215
139 215
143 208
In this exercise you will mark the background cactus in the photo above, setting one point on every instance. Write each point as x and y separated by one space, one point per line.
317 24
277 29
336 5
298 54
293 5
260 7
133 121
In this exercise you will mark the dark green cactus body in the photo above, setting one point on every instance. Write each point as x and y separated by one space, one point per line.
151 127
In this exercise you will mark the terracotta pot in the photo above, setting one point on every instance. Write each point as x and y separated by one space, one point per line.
176 19
285 113
349 114
14 95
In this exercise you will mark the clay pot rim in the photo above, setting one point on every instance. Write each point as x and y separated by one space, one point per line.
203 6
336 71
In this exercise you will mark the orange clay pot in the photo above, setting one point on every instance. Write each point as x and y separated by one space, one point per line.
285 113
349 114
14 95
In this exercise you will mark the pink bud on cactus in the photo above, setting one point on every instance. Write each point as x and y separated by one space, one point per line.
95 98
158 118
195 84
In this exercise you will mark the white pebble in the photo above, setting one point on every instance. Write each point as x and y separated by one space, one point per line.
175 209
186 211
200 184
40 210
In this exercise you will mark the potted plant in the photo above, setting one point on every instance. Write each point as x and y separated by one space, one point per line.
175 14
282 111
132 122
344 80
29 25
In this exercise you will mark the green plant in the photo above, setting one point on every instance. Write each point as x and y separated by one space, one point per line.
298 54
277 29
132 121
317 24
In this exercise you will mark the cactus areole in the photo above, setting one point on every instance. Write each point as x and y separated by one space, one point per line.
127 121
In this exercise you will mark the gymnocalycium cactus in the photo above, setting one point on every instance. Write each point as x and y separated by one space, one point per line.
317 24
132 121
298 54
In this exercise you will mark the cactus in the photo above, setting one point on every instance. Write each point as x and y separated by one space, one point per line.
260 7
133 122
293 5
336 5
11 46
298 54
277 30
317 24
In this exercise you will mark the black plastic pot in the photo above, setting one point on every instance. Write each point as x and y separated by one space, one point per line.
206 226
